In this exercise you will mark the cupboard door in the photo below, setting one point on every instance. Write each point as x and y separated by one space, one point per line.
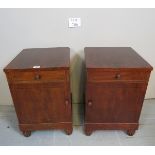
114 102
41 103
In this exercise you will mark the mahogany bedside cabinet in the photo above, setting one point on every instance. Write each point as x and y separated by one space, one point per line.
39 82
116 82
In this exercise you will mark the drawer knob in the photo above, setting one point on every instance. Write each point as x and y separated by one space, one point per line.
89 103
37 77
66 102
118 76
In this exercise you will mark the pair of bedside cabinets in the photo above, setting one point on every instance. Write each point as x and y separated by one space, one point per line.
116 82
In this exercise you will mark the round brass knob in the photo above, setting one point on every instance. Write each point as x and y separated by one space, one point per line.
66 102
37 77
89 103
118 76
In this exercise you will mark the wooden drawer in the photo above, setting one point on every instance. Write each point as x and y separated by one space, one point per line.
37 76
117 76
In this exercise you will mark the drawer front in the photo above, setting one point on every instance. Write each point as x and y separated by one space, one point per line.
117 76
37 76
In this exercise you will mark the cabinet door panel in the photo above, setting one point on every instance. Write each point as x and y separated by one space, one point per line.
114 102
41 103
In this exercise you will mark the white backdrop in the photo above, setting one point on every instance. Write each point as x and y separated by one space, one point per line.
28 28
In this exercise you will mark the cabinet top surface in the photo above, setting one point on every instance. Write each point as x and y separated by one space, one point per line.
114 57
44 57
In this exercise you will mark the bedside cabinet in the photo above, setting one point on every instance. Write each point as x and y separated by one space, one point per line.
39 82
116 82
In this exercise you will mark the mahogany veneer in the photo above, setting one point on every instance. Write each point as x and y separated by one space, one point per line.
41 96
117 79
